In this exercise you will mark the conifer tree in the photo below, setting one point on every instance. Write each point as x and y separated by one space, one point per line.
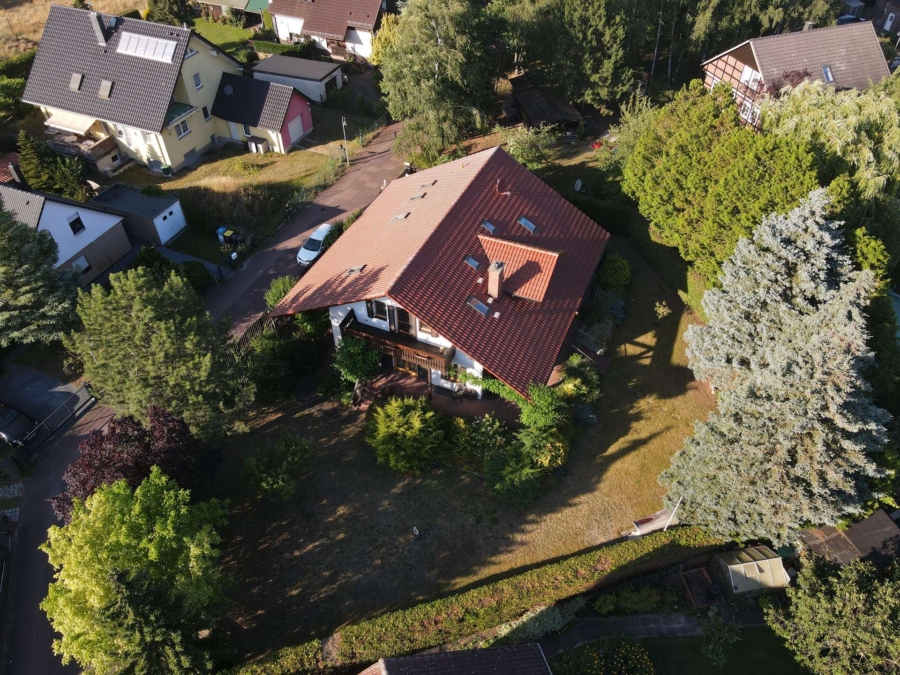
172 12
785 348
37 302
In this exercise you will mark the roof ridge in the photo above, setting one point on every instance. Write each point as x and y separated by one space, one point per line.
811 31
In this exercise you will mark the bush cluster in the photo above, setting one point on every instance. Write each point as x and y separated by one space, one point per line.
643 599
458 616
192 271
406 434
614 272
278 358
303 50
618 656
274 470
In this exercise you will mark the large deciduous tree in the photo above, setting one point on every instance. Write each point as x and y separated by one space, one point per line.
793 439
121 552
437 74
842 620
37 302
146 342
127 450
172 12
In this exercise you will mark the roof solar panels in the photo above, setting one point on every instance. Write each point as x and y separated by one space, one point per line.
478 306
490 228
527 224
147 47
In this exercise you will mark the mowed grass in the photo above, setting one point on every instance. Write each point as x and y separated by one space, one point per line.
227 37
758 651
27 19
343 549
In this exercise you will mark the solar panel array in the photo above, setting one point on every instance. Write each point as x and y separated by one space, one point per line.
147 47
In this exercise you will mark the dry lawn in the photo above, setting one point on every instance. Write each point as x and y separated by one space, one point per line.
343 549
21 23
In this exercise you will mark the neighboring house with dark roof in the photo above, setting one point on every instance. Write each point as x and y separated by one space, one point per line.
476 264
220 7
313 79
6 175
512 660
268 117
156 220
88 239
542 107
340 27
876 538
148 86
845 57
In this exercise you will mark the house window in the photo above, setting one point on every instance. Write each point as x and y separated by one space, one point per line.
76 224
115 158
165 217
246 130
82 265
376 309
749 112
206 114
197 83
478 306
826 71
750 77
404 322
182 129
171 212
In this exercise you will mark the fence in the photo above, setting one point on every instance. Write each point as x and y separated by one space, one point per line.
73 405
366 135
239 346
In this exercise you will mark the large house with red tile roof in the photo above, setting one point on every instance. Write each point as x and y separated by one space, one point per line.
473 265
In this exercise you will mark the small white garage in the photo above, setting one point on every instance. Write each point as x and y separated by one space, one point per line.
156 220
313 79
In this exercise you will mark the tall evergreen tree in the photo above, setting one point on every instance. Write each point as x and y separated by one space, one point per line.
146 342
48 171
172 12
785 348
37 302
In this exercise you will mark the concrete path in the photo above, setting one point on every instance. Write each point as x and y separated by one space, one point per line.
636 627
242 297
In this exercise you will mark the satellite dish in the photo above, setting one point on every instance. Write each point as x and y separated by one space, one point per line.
229 90
578 185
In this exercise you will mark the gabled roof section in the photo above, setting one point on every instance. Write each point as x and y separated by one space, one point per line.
305 69
851 52
25 206
528 268
141 86
5 172
330 18
256 103
420 262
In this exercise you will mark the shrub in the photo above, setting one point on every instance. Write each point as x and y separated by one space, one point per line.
528 146
304 50
616 655
458 616
335 388
538 622
197 275
18 66
278 289
481 439
276 360
247 56
406 434
718 637
152 191
547 408
580 380
355 361
513 477
274 470
605 604
313 324
154 262
544 447
614 272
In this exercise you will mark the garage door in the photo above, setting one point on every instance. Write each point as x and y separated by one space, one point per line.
295 129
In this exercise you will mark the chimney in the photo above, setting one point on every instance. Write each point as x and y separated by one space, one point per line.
495 279
16 173
98 29
808 26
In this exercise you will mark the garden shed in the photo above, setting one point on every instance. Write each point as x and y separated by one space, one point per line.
748 570
313 79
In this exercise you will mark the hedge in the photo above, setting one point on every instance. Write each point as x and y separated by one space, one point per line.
304 50
458 616
18 66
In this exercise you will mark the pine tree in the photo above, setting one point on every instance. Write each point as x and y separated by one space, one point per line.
148 343
785 348
172 12
37 302
34 163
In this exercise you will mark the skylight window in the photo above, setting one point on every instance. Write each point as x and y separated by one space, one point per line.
471 262
478 306
426 185
418 196
400 216
527 224
486 225
826 71
105 89
355 270
75 82
147 47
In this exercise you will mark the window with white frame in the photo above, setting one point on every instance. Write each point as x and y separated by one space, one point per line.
197 83
750 77
247 130
206 114
182 129
76 224
749 112
827 74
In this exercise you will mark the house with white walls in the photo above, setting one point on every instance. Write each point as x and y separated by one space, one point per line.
340 27
88 239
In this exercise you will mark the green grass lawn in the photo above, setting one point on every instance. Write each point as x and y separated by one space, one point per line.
228 38
759 651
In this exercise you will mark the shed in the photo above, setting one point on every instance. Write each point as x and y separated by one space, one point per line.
313 79
153 219
748 570
543 106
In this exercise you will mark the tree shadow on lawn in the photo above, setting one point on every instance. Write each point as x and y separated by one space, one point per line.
343 549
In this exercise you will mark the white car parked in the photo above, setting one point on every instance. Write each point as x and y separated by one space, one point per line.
312 249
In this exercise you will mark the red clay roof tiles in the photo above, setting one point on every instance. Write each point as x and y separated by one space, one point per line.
419 262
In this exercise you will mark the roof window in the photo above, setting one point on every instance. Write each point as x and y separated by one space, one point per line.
418 196
142 46
75 81
105 89
826 71
400 216
486 225
355 270
478 305
471 262
425 185
527 224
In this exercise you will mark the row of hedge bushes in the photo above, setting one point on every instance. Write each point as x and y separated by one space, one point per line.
17 66
304 50
455 617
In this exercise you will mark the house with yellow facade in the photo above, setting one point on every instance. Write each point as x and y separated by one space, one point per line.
148 87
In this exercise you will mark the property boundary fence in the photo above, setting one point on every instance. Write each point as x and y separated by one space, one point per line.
366 135
240 345
73 406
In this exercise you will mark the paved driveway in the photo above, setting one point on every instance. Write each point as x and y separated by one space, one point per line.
242 297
